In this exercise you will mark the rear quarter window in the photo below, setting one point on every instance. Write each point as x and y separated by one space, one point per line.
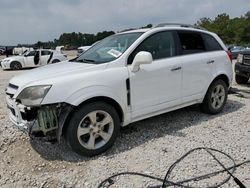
191 42
211 43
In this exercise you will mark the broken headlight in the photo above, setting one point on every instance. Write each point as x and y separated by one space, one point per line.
33 95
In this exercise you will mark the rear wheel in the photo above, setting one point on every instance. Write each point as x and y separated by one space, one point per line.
93 128
56 61
215 98
15 65
241 79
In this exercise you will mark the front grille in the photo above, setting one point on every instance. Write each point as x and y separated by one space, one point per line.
246 60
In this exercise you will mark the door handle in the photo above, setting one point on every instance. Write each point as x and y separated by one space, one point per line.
210 62
176 68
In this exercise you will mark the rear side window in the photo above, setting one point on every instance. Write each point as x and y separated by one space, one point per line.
45 53
160 45
211 43
191 42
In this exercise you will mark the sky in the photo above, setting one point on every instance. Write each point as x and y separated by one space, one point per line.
29 21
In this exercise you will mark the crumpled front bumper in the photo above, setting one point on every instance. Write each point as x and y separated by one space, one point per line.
15 114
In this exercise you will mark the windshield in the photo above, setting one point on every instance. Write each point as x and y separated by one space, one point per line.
109 48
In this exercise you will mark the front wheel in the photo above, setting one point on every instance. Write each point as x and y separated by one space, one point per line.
215 98
15 65
93 128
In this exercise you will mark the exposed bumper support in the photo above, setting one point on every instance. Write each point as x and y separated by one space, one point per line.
48 119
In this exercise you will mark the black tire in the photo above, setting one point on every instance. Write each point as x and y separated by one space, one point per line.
56 61
79 118
15 65
241 79
209 102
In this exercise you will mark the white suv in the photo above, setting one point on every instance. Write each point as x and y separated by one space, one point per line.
124 78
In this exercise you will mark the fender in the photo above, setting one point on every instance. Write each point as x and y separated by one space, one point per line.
215 75
84 94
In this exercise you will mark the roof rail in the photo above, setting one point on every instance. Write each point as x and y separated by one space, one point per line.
180 25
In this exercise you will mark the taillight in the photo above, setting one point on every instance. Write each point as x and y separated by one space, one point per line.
230 55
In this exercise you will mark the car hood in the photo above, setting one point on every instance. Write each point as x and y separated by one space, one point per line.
50 72
13 58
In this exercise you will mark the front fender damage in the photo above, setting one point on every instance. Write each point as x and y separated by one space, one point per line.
50 120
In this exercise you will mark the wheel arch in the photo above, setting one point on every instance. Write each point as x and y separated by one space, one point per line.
221 76
16 61
105 99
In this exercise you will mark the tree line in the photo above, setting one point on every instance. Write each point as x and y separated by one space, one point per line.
231 30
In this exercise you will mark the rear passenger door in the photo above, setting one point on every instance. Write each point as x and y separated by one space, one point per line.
198 65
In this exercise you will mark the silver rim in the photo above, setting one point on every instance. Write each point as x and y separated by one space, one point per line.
218 97
95 129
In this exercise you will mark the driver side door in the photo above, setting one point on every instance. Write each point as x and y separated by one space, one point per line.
156 86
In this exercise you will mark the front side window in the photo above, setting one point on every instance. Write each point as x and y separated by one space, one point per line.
31 53
109 48
160 45
191 42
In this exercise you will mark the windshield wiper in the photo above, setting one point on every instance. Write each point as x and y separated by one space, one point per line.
83 60
89 60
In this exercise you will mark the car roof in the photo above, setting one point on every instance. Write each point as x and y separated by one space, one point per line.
169 27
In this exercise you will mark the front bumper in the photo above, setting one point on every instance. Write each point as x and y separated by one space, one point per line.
5 65
242 70
15 114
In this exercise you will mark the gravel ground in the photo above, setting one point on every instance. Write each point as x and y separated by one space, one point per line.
149 146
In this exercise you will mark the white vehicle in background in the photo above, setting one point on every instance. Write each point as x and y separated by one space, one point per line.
60 49
82 49
33 58
21 50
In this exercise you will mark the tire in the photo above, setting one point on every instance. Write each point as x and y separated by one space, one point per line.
89 137
15 65
241 79
215 98
56 61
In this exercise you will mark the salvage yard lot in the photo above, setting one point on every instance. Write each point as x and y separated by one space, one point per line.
149 146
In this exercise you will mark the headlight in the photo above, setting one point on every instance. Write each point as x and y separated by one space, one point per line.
240 58
33 95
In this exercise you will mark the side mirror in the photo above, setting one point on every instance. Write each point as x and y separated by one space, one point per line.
141 58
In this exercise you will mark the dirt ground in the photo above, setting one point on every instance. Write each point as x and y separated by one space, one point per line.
148 146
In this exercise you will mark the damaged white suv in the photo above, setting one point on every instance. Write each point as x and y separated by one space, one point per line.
124 78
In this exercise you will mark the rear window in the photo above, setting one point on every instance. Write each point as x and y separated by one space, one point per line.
211 43
191 42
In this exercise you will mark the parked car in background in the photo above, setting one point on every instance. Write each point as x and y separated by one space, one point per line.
236 50
82 49
2 51
60 49
242 68
33 58
124 78
21 50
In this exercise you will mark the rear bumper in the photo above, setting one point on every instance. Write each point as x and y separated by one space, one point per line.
242 70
